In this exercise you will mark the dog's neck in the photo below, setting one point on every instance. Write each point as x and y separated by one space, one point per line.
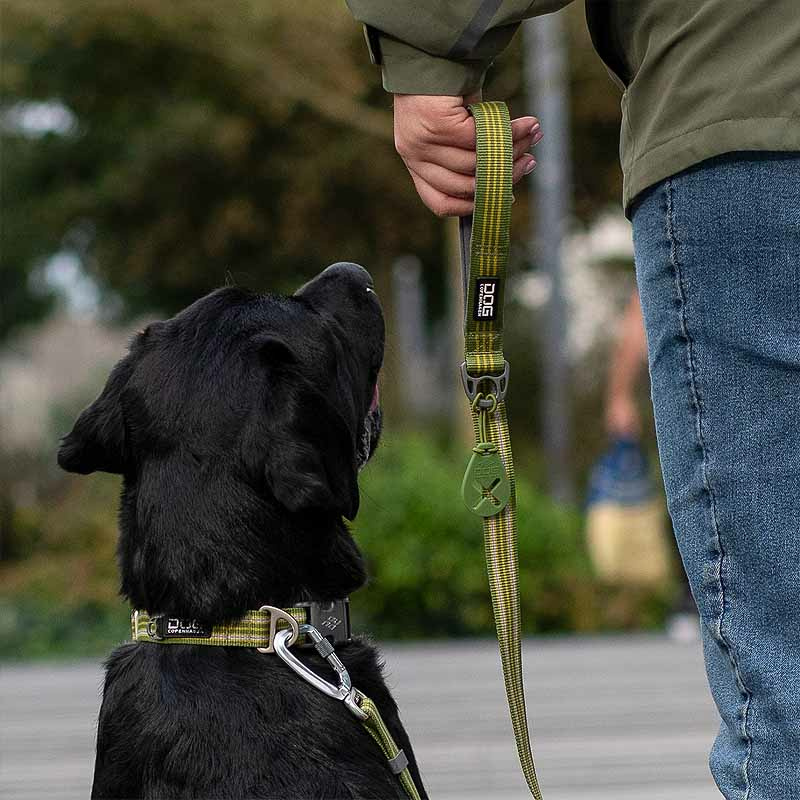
219 556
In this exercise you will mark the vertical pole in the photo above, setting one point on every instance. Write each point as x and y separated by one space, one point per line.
547 97
412 351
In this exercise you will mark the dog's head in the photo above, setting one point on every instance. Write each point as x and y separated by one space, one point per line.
245 394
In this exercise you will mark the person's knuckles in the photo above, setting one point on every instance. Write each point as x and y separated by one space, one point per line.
522 146
522 167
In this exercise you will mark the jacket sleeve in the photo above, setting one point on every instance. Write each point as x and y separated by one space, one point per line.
441 46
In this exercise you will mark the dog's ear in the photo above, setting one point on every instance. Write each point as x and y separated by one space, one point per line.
310 462
97 440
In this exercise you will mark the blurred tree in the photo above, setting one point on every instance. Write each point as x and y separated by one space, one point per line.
247 139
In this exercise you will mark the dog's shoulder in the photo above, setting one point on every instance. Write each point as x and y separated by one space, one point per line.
212 716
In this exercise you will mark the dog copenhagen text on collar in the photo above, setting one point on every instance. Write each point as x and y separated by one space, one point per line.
254 629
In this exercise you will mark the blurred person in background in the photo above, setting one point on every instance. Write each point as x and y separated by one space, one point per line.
625 515
710 150
625 531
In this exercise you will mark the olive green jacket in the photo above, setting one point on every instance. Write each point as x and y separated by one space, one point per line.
699 77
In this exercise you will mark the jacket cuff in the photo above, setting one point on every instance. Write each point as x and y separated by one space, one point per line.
407 70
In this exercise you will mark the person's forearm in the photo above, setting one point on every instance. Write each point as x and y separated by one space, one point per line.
630 353
627 364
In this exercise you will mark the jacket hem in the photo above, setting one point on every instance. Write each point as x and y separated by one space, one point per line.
778 134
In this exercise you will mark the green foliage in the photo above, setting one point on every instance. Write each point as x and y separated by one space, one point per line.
425 555
424 550
211 142
58 583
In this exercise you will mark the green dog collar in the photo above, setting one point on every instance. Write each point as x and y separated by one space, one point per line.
254 629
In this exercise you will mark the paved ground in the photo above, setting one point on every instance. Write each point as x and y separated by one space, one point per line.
623 718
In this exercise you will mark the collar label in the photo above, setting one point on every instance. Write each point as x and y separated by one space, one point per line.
175 627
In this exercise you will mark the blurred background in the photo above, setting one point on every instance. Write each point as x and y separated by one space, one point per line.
154 151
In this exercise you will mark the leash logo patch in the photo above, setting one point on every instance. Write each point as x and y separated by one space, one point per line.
175 627
486 302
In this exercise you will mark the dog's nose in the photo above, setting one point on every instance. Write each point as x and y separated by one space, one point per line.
343 274
349 270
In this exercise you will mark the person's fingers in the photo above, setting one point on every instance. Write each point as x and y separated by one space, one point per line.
452 158
461 132
445 204
521 146
523 166
440 203
452 184
523 126
462 161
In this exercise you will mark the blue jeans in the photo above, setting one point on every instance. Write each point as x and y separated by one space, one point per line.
718 266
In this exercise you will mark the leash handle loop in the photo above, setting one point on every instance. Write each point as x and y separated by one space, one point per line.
485 241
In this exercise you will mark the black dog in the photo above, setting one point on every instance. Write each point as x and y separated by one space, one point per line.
239 427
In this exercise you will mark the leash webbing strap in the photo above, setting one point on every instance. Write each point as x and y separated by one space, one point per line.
377 729
485 374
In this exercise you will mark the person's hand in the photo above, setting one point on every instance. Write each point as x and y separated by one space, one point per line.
435 137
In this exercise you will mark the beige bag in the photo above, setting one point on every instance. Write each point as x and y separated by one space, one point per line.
628 543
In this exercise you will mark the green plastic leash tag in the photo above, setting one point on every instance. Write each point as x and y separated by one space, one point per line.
485 489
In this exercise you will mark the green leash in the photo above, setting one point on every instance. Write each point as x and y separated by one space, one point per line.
488 487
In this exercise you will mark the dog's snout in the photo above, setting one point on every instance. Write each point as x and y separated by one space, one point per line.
349 271
345 274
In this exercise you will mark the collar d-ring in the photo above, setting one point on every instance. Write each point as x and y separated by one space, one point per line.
275 616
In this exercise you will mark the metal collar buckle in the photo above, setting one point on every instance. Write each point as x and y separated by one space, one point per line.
331 619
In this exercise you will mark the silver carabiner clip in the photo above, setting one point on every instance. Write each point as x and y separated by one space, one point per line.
344 691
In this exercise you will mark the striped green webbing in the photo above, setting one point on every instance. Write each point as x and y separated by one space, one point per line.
483 353
377 729
251 630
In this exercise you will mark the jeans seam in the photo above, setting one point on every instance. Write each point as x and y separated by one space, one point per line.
720 635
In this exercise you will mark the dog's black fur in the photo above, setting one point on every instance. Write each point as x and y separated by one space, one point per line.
239 426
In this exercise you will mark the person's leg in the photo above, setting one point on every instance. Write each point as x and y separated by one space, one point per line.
718 266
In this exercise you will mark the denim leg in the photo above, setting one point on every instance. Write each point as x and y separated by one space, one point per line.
718 266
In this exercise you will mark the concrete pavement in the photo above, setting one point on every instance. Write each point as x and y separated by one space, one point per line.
627 718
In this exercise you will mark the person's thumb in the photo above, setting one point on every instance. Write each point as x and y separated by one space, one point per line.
461 131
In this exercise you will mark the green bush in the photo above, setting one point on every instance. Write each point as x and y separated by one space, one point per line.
426 559
424 552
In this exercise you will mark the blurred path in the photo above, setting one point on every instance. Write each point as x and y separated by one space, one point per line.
625 718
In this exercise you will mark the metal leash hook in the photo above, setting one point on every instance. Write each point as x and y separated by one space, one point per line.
344 691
